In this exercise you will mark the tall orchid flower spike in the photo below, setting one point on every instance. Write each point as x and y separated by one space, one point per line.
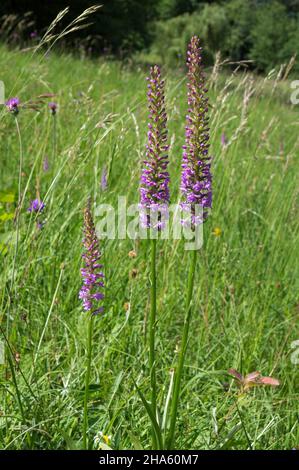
91 292
196 180
196 189
154 199
92 296
154 183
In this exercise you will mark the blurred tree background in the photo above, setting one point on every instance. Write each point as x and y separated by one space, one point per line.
265 32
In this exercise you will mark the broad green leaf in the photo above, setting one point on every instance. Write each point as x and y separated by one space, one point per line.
151 415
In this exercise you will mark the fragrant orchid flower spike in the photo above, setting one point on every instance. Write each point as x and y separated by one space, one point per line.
154 183
91 292
196 179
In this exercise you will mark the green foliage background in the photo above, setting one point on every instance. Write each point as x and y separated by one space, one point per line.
265 32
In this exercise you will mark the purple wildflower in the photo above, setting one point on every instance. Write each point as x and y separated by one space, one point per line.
154 190
33 34
223 139
13 105
46 164
196 178
104 182
40 224
93 278
53 107
36 206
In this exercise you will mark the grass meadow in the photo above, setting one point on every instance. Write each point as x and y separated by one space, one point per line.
245 303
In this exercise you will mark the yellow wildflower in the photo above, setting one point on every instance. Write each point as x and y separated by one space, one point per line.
217 231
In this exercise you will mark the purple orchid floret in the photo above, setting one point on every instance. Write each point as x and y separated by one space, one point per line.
196 180
36 206
154 184
93 278
53 107
13 105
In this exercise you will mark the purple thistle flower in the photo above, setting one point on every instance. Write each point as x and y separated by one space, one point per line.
53 107
154 190
196 180
36 206
13 105
93 278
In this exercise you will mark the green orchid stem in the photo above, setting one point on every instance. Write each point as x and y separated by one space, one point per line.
182 353
17 218
87 381
54 154
17 222
18 395
54 139
152 326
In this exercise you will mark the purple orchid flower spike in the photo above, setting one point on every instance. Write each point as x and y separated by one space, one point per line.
154 183
196 180
93 278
